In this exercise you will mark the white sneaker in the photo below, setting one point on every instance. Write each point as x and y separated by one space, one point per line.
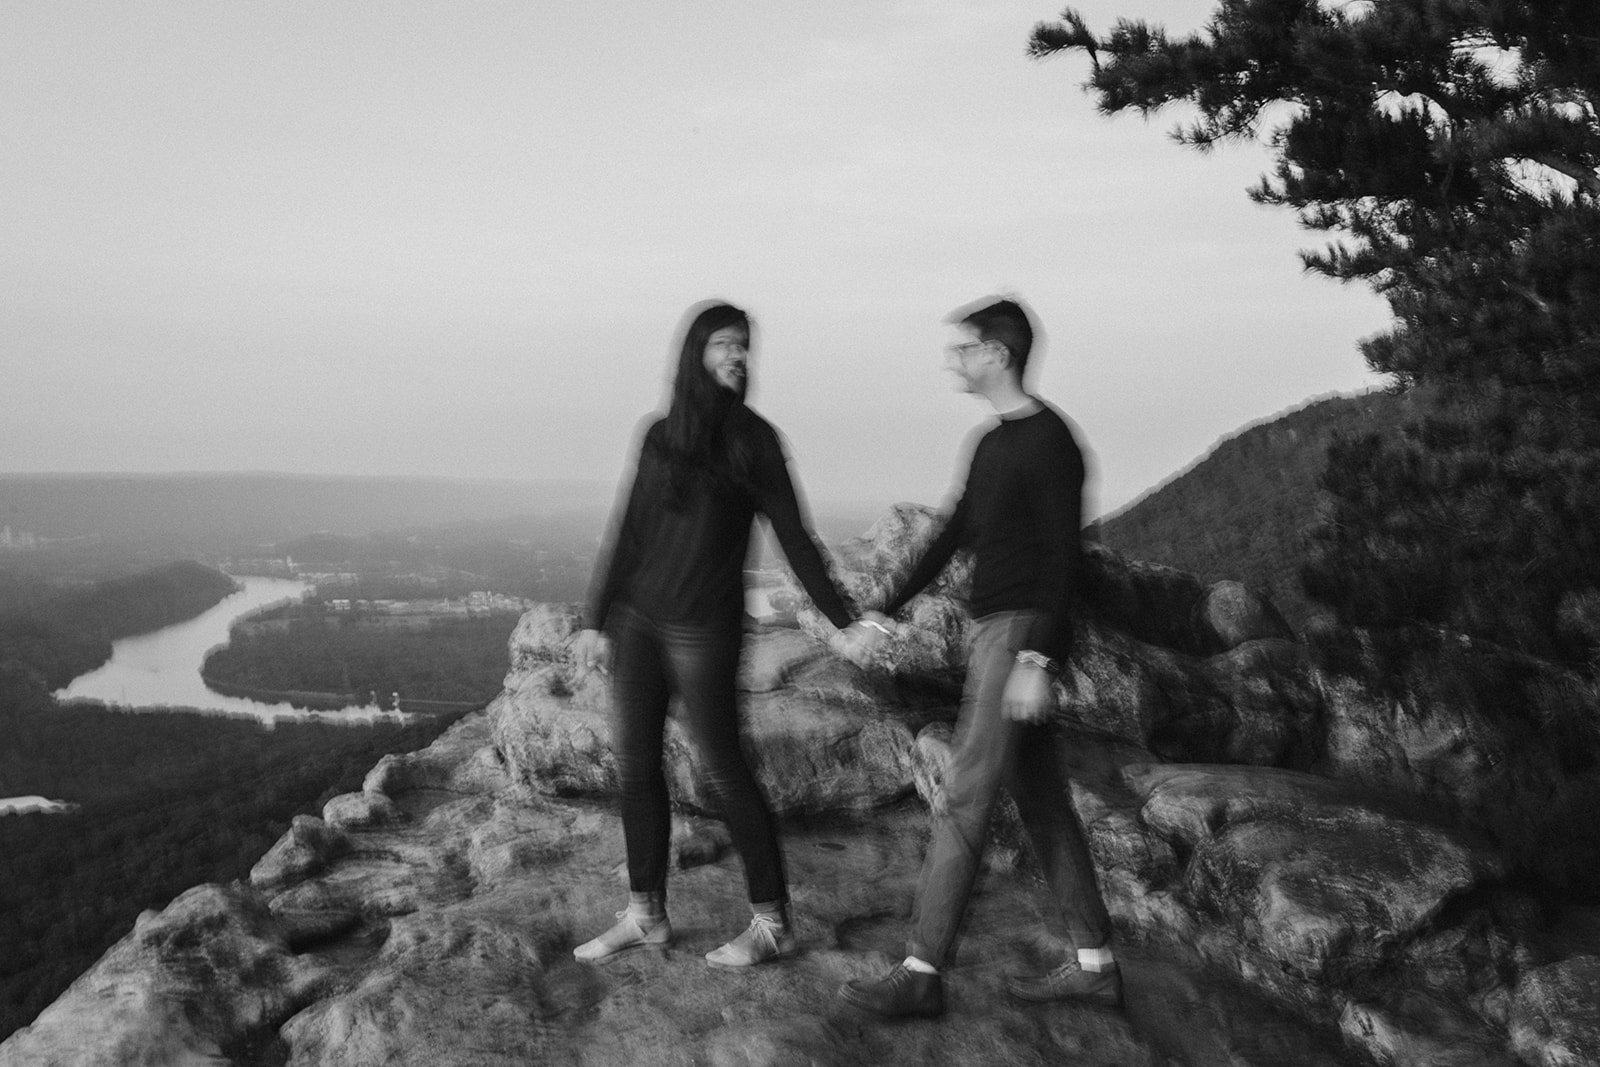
765 939
628 933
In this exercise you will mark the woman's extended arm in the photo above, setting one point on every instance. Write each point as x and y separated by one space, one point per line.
780 502
619 549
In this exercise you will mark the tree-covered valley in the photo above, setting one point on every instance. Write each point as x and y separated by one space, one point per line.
164 800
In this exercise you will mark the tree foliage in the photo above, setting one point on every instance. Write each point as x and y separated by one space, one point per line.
1451 149
443 658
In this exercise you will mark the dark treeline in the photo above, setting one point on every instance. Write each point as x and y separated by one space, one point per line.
50 635
453 560
446 658
169 800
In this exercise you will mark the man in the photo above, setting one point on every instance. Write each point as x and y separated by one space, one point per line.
1020 513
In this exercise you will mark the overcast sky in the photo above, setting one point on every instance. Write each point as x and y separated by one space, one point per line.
456 238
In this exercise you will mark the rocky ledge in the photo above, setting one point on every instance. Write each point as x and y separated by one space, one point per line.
1306 865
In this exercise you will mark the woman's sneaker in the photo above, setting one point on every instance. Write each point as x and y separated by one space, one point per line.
765 939
630 932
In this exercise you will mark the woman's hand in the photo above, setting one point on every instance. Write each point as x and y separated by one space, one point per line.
591 650
1028 695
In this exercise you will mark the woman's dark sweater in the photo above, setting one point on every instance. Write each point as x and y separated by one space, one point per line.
685 564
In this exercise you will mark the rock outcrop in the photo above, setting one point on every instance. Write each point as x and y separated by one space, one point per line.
823 734
1307 863
190 985
1507 746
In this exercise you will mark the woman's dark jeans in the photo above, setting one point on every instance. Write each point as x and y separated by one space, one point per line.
698 664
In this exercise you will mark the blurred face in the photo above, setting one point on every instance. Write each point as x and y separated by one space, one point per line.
966 358
727 351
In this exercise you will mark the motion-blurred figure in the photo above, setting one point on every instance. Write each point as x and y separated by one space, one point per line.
666 611
1020 513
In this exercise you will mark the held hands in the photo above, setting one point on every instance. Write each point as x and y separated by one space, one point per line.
591 650
862 638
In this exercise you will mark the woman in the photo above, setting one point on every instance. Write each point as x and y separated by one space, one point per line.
670 600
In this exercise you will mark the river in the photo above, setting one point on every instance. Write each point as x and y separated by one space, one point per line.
161 669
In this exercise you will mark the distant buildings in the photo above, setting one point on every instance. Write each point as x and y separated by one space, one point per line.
484 603
481 603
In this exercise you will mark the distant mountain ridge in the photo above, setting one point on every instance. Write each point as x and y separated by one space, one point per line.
1241 512
240 508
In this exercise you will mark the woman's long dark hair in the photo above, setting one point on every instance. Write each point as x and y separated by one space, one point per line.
695 439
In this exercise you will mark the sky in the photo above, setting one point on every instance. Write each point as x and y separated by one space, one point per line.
457 238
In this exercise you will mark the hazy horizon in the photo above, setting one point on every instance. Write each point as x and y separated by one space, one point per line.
604 489
403 240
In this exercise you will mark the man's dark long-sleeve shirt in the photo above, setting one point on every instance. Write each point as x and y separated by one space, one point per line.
686 564
1021 513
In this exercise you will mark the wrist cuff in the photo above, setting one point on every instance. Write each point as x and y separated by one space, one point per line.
1040 660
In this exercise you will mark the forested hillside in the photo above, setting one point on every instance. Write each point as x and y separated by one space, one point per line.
452 659
1242 511
49 635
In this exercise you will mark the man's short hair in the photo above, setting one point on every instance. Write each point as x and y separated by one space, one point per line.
999 319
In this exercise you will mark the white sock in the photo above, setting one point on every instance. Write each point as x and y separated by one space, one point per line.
920 966
646 915
1096 959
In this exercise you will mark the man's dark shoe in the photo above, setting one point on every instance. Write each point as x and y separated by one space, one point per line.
900 992
1069 982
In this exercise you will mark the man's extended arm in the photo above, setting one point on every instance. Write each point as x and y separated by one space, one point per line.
932 561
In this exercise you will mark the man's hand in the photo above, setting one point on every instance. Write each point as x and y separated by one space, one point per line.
1028 696
858 641
591 650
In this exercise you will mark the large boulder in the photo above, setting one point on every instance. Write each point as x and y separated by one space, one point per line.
1324 881
187 986
1231 613
304 850
932 641
1359 906
446 989
1258 703
1555 1015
